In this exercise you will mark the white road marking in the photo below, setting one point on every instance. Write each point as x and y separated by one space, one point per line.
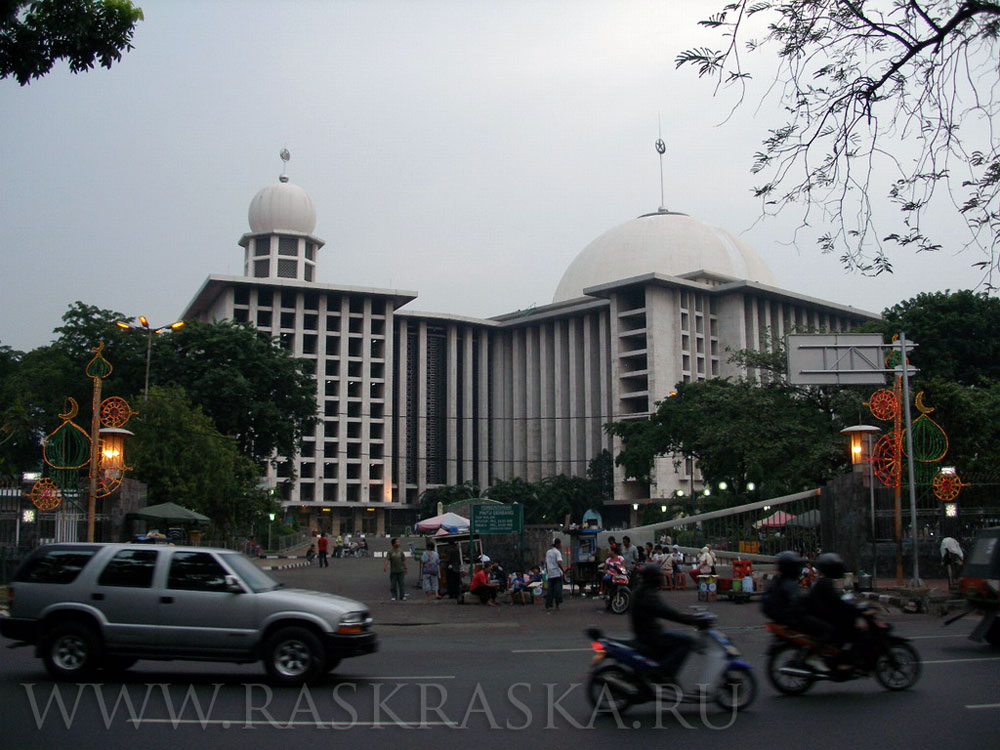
956 661
238 723
985 705
925 637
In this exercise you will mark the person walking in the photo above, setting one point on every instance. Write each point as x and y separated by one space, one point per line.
429 572
395 563
631 555
554 576
322 545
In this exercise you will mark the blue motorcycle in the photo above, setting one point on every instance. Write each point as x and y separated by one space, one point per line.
621 676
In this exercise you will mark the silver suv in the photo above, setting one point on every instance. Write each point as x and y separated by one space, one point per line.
90 606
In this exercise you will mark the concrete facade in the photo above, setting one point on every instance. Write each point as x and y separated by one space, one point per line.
409 401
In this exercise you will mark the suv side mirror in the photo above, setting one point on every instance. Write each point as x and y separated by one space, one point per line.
233 585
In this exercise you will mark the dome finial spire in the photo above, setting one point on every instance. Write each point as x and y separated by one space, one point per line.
661 149
285 158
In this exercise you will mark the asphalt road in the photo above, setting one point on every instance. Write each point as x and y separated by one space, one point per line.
484 677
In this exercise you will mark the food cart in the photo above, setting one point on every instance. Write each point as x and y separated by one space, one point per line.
583 558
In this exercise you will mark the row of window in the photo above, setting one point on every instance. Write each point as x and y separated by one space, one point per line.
130 568
331 493
287 299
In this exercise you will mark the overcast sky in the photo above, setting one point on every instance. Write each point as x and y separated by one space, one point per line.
466 150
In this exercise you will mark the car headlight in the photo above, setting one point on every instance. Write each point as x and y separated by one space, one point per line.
353 623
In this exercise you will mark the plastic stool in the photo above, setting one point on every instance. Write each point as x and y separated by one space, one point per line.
680 581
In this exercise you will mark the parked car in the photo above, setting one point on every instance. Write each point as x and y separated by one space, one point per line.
104 606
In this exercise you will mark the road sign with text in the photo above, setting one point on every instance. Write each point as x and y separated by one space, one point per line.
497 519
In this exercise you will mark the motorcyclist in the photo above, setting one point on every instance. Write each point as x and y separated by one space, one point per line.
784 600
825 603
668 647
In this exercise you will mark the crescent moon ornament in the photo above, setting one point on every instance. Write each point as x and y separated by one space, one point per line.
72 411
919 401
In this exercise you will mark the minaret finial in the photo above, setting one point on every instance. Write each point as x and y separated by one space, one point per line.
285 157
661 149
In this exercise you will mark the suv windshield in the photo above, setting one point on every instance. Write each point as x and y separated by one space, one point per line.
253 576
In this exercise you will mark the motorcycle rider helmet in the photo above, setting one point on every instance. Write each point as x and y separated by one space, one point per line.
789 564
831 565
651 575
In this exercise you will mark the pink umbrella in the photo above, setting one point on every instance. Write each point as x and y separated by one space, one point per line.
774 521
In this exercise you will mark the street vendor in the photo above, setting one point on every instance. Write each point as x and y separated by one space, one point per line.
484 585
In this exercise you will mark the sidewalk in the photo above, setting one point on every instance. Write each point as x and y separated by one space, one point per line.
932 597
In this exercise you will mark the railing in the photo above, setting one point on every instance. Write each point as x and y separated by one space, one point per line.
753 529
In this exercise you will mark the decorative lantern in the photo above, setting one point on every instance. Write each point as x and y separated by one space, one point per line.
860 444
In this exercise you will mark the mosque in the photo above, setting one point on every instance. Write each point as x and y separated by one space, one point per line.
410 401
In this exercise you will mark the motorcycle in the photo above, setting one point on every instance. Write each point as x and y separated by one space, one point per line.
622 675
617 593
796 661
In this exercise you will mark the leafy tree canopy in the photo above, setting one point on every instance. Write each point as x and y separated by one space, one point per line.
183 458
738 432
36 33
958 335
908 88
250 387
453 493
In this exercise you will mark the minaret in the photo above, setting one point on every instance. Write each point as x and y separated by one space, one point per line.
281 243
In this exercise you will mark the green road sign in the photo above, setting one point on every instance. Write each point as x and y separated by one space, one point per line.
497 519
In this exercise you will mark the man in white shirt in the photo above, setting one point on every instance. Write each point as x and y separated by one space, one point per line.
554 576
630 553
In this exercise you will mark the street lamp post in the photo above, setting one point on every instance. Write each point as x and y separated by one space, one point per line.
150 332
861 452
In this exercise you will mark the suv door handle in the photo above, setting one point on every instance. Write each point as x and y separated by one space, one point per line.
166 600
97 597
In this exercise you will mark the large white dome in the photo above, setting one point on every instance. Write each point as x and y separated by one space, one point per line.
667 243
282 207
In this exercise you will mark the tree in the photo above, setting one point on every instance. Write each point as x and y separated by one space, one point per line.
181 456
970 415
36 33
863 81
561 496
601 471
251 388
738 432
453 493
957 333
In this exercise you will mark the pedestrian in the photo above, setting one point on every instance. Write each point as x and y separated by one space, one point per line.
322 545
338 550
554 576
952 559
429 572
630 553
395 562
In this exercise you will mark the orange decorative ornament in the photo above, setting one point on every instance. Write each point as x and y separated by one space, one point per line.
886 460
45 494
115 412
883 404
947 486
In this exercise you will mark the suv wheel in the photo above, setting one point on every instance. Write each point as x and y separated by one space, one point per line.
71 651
293 655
